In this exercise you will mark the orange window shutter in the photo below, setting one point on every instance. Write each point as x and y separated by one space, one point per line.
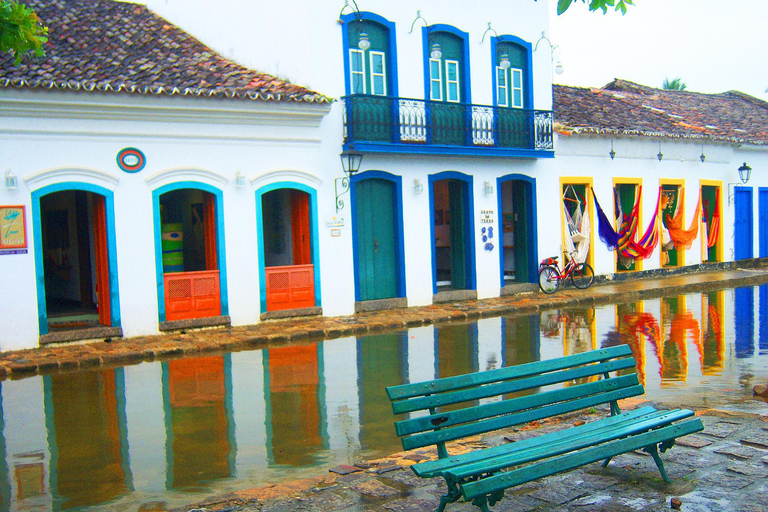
209 218
102 259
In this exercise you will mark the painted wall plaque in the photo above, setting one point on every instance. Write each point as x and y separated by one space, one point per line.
131 160
13 230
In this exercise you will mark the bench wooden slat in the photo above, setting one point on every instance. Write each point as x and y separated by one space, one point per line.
511 372
567 462
510 386
509 420
552 445
436 467
446 419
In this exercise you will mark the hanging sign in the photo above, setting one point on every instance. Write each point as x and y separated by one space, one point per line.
13 230
131 160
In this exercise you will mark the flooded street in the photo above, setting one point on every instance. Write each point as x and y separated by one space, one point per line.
158 435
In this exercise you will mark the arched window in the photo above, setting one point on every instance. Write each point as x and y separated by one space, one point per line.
448 79
511 69
370 59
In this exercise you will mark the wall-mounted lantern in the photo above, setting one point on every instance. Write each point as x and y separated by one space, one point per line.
350 163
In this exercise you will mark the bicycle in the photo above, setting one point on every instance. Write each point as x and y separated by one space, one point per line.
581 274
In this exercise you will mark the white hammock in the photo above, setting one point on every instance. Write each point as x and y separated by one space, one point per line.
577 240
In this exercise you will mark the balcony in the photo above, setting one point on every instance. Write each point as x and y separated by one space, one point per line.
403 125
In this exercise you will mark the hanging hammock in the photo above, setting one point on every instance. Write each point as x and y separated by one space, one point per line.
577 239
624 239
645 247
604 228
715 224
683 238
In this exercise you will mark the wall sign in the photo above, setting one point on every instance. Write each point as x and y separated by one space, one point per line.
13 230
486 217
131 160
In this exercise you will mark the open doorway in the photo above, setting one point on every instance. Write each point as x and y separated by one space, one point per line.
453 254
190 261
75 260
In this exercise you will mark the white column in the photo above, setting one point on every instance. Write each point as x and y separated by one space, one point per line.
342 396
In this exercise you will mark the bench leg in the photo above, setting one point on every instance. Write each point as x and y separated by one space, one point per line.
452 495
654 451
606 461
481 502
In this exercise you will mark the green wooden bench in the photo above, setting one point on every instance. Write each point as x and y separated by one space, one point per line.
452 408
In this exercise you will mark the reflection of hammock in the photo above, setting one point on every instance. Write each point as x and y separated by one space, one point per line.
682 237
623 240
577 239
633 326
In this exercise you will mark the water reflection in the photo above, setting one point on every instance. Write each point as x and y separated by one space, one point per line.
153 435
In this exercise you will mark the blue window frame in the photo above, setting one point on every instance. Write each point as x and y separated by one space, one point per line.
446 73
512 72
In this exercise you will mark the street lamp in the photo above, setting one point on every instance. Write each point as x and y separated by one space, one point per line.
350 163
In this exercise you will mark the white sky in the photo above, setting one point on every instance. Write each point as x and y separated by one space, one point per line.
712 45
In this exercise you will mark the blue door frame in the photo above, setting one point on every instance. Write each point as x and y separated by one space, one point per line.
763 221
743 223
37 233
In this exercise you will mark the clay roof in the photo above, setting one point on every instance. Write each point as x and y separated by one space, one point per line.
103 45
626 108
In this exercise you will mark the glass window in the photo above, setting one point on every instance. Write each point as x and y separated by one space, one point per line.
517 87
501 86
452 80
357 70
378 74
435 80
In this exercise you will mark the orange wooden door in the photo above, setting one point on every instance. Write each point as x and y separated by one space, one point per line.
302 251
102 259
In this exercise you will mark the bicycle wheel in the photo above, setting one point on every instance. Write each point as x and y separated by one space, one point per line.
582 276
549 280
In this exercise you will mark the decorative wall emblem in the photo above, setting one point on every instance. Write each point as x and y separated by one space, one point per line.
131 160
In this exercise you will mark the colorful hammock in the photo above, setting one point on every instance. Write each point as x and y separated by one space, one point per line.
623 240
684 237
715 224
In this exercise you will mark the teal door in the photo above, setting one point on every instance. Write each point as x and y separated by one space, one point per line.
375 237
520 204
458 233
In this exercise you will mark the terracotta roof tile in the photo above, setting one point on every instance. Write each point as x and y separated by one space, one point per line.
105 45
626 108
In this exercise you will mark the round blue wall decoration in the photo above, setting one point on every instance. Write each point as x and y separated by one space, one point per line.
131 160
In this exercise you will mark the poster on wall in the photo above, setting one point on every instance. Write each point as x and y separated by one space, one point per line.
13 230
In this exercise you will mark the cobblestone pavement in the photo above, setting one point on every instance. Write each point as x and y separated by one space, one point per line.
723 468
100 353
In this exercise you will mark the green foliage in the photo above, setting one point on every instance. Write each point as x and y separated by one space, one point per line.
676 84
20 30
603 5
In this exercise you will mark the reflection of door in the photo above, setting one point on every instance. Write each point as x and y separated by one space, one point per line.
375 236
742 223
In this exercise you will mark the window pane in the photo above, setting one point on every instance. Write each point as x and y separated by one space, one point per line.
452 81
357 71
518 98
517 78
378 74
517 87
501 87
435 80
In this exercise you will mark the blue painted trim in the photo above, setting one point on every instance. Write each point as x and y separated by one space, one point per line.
399 227
37 234
122 427
322 393
313 227
762 220
53 447
168 423
267 405
435 149
391 49
466 84
533 245
528 47
469 200
221 246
